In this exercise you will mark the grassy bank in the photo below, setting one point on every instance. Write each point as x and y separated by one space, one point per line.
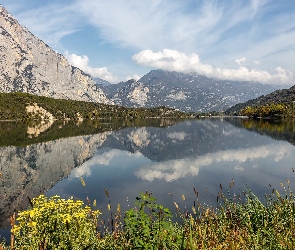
242 222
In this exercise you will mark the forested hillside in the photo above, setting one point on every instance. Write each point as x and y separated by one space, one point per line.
23 106
279 103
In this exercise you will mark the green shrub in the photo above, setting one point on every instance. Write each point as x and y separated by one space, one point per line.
149 225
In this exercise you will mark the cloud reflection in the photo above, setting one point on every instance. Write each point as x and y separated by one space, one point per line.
180 136
111 157
176 169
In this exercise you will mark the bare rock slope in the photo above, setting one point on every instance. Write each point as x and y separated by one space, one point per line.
29 65
186 92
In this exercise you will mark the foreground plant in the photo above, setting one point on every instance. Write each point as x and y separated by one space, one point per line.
55 223
242 222
148 226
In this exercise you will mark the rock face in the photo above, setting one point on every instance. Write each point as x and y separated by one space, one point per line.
34 109
187 92
29 65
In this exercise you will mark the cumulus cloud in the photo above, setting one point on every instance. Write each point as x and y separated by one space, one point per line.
82 62
216 30
174 60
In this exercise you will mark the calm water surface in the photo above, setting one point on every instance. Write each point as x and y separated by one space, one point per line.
167 159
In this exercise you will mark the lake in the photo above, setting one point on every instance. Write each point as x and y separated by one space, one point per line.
168 158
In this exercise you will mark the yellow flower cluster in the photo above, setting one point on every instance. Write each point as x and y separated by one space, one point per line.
54 217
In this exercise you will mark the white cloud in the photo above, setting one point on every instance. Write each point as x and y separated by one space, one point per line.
257 4
135 77
50 22
209 28
217 31
257 62
145 24
173 60
241 60
82 62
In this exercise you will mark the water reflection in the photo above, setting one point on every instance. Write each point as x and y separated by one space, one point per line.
28 169
280 130
31 170
237 159
161 157
35 129
195 153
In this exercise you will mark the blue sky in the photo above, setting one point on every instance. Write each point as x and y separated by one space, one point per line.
117 40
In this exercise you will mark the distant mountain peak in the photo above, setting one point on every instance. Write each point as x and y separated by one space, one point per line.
187 92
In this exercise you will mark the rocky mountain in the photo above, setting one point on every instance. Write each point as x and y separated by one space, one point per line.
187 92
29 65
101 82
286 96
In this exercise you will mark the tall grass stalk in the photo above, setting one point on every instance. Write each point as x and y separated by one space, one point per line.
242 222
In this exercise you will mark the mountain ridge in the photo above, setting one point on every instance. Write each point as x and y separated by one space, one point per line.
29 65
281 96
186 92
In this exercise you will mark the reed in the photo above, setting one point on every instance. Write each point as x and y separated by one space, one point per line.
237 222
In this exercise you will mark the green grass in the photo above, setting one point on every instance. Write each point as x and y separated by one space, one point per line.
242 222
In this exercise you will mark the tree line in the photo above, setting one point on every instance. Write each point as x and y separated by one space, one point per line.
13 107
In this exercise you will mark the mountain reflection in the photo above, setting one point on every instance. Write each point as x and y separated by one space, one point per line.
129 156
35 163
31 170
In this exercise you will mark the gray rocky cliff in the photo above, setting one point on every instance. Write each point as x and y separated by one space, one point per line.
32 170
186 92
29 65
